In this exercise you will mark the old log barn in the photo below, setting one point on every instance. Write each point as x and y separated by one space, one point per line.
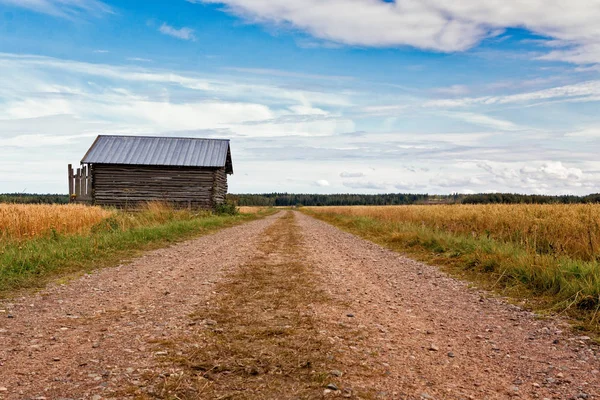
126 171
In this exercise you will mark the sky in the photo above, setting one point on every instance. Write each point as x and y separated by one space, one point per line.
317 96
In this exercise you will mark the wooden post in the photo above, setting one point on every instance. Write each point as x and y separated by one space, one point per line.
78 183
70 180
84 181
89 182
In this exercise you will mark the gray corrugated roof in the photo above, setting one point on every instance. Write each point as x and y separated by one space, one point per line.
168 151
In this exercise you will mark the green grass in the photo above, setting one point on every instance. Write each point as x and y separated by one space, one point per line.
32 264
545 283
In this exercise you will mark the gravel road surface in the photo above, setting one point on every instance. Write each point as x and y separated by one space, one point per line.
419 334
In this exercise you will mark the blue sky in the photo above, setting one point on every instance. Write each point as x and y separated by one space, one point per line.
335 96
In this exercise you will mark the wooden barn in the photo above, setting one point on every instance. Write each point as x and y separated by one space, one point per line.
125 171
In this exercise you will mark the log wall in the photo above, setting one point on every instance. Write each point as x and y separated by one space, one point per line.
220 186
127 186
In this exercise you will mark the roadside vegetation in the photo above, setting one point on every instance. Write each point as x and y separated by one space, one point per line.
547 256
42 242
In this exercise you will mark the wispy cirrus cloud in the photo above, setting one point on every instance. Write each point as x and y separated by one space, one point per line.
578 92
69 9
369 185
140 59
347 174
484 120
179 33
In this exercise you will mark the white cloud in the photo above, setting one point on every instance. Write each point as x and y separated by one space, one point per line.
583 91
588 133
37 66
552 170
346 174
41 140
484 120
444 25
322 183
70 9
288 74
140 59
456 183
454 90
128 99
181 33
369 185
539 177
588 53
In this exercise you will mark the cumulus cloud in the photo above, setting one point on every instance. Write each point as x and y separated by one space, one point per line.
181 33
554 170
322 183
446 26
539 177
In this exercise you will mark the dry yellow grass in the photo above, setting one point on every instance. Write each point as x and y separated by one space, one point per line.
23 221
570 230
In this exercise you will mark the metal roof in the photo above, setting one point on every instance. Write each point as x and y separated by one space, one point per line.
167 151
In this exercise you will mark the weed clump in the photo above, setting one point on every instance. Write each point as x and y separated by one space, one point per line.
227 208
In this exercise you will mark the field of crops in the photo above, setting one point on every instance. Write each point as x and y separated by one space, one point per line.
23 222
564 230
547 255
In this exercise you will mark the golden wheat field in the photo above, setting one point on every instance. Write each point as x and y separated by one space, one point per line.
25 221
572 230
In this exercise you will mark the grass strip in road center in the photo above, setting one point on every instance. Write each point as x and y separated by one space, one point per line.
258 338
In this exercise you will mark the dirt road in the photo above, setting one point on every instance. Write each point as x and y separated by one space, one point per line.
285 307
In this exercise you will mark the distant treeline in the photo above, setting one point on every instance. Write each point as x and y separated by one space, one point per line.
510 198
29 198
289 199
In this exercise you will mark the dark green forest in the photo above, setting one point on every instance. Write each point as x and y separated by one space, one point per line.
31 198
291 199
